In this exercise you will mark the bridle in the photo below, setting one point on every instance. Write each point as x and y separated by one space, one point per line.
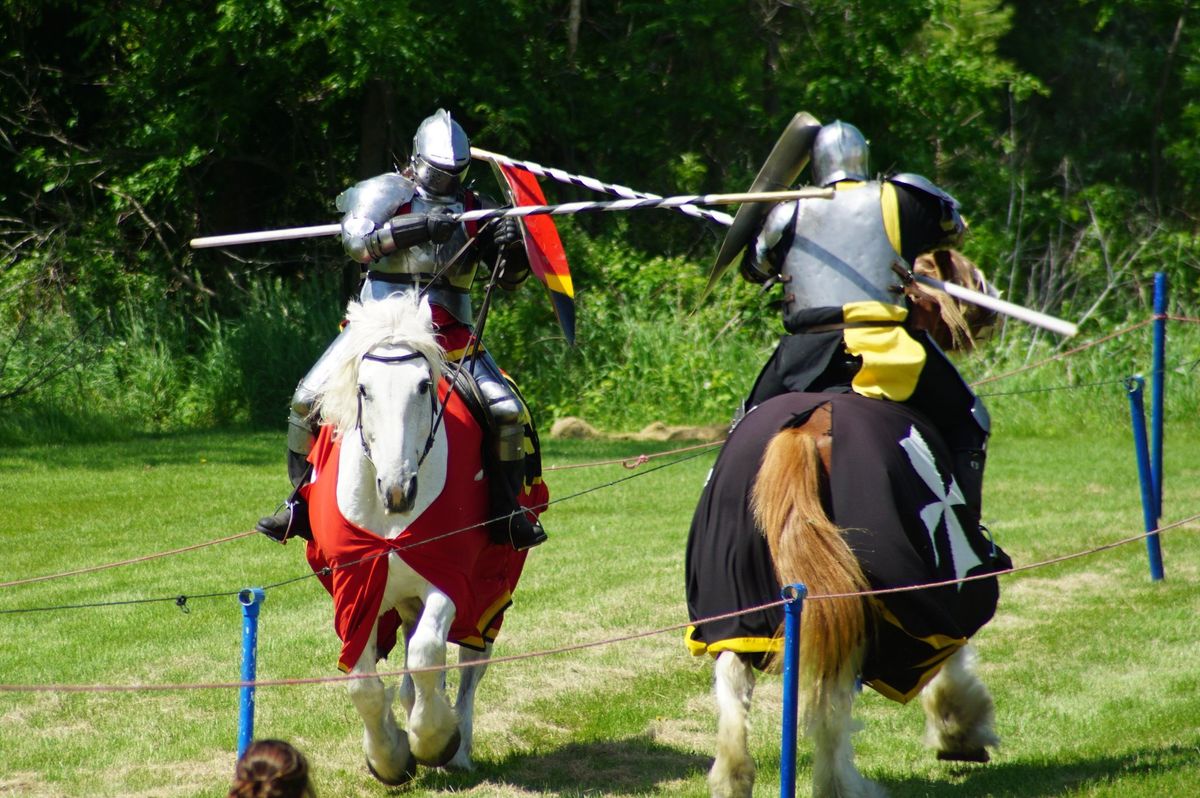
438 411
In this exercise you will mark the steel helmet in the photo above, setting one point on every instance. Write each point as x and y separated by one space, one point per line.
839 153
441 154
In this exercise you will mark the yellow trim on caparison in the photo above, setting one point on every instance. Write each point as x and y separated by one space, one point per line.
934 641
890 693
488 618
738 645
943 647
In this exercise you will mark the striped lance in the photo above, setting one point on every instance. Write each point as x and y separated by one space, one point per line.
1008 308
564 209
593 184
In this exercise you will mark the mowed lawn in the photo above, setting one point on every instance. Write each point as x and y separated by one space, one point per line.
1095 669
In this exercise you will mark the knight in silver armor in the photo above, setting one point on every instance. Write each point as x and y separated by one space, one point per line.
844 305
399 226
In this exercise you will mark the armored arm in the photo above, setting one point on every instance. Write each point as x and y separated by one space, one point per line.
503 240
934 217
370 227
509 243
764 256
366 242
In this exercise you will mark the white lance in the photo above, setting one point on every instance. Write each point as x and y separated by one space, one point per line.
680 201
564 209
1027 315
1037 318
593 184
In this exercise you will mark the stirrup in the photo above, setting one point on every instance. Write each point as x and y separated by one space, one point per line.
289 521
524 534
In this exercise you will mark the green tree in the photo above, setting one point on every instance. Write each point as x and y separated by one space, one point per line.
1068 130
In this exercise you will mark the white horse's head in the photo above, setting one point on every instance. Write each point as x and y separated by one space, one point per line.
383 395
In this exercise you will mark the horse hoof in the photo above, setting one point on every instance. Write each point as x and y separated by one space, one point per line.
977 755
410 772
446 754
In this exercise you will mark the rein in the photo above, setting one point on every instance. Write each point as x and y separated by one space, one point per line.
476 336
439 411
435 409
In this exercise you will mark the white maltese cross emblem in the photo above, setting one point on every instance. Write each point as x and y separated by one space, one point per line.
962 556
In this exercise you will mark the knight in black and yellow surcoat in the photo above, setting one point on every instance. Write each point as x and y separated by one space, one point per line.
844 305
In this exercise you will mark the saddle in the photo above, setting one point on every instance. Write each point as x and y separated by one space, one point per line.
467 387
506 497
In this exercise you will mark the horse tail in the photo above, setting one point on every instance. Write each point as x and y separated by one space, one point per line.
807 547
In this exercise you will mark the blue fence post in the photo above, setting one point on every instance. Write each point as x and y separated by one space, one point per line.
1134 387
1157 389
251 600
791 687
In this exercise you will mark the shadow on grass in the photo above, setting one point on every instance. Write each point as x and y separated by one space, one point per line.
1031 778
635 765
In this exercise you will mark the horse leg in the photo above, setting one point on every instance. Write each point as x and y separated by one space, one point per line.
432 726
464 705
829 726
408 691
386 748
732 773
959 713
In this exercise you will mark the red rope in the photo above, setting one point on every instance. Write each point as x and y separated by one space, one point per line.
144 558
101 688
1061 355
633 462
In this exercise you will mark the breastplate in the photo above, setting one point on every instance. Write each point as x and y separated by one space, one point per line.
452 290
840 253
429 258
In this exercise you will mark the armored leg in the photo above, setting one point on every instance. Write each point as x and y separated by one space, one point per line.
291 519
504 457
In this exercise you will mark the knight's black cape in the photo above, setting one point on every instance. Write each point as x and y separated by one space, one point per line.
729 568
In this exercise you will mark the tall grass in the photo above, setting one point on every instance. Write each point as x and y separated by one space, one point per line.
156 369
650 347
1041 385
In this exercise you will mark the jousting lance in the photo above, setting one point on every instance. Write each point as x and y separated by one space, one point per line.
564 209
1037 318
1027 315
593 184
996 304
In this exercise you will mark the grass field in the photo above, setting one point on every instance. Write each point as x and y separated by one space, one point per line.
1095 670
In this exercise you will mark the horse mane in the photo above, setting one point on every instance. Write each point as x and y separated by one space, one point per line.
954 325
400 320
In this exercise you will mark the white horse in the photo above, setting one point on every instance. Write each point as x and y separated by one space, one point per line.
400 460
764 521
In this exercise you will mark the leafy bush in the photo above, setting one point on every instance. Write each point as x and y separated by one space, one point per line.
647 347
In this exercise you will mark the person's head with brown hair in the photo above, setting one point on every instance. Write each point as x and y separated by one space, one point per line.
271 769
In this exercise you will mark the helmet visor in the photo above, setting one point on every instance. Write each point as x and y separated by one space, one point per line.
436 180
